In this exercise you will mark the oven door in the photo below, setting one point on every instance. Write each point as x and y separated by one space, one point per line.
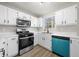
25 42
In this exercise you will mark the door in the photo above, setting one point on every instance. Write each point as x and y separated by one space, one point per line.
3 45
12 16
35 39
59 18
12 46
70 15
48 41
33 21
40 38
74 48
3 14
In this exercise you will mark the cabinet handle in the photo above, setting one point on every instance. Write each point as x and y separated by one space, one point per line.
13 38
17 42
3 42
65 21
70 41
17 13
4 21
62 22
7 44
7 21
75 20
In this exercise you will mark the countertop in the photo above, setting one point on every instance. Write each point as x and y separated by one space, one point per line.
7 34
71 36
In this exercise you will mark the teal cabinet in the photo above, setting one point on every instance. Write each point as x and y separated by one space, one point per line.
61 46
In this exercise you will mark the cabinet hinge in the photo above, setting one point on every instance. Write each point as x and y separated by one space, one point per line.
70 41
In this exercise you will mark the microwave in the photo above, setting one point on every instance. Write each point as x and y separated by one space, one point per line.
21 22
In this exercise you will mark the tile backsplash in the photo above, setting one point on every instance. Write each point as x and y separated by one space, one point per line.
7 29
65 30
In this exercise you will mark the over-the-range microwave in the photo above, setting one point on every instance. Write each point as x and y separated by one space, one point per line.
21 22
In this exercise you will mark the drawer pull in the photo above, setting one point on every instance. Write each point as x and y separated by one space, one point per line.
3 42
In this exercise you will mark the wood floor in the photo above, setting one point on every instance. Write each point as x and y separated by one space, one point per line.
39 51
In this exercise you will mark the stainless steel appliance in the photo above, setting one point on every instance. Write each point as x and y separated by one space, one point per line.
23 23
26 41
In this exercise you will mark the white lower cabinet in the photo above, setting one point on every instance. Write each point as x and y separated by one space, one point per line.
74 47
35 39
3 46
12 46
45 40
9 45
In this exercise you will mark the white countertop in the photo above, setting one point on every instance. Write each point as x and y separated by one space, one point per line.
64 35
71 36
7 34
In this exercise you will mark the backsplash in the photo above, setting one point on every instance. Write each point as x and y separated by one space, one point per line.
65 30
7 29
34 30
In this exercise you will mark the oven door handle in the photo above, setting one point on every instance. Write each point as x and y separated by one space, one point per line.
24 38
27 37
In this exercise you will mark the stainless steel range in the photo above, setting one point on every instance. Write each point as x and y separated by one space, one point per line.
26 38
26 41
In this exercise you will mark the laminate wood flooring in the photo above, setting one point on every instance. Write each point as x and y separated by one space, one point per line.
39 51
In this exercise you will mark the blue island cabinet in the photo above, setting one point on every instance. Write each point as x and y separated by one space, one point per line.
61 46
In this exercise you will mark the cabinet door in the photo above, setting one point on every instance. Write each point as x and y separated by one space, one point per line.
3 14
40 22
40 39
35 39
20 15
3 45
74 48
48 42
59 18
12 16
70 15
12 46
33 22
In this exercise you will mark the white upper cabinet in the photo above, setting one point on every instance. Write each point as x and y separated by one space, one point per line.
9 16
59 17
23 16
40 22
67 16
3 14
34 21
70 15
12 16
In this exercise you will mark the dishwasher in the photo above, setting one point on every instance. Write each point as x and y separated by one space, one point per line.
61 46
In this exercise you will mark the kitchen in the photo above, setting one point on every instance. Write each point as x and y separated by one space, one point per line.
27 28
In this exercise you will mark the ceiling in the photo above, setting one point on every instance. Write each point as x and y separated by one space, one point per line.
38 9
